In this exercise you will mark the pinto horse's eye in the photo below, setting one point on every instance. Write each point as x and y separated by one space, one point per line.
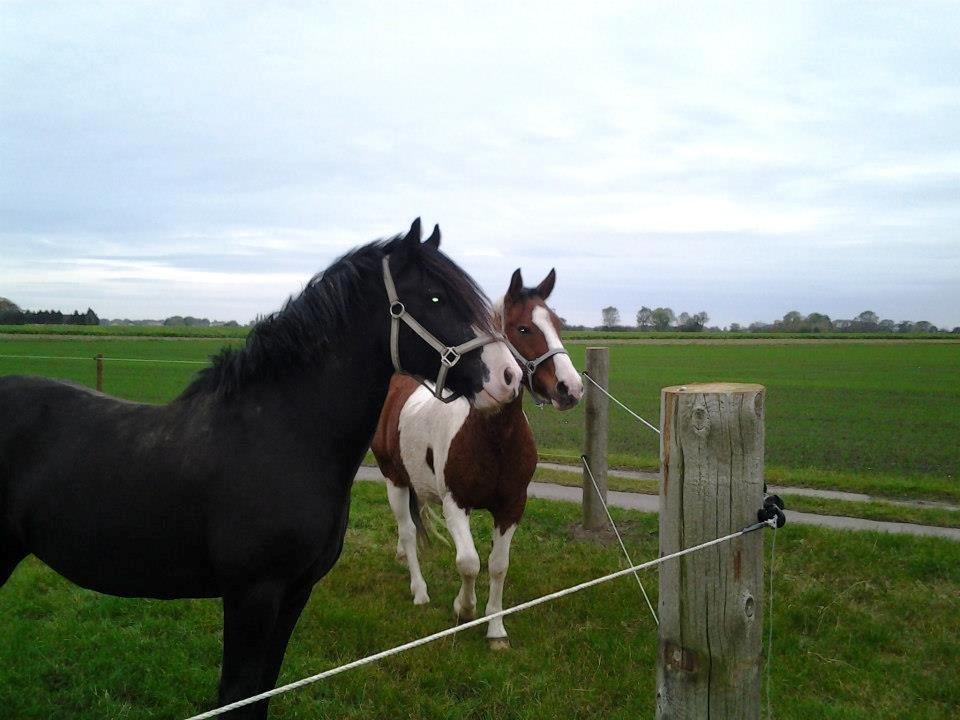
523 330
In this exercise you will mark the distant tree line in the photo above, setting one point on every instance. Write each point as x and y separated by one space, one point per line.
175 321
655 319
664 318
11 314
866 322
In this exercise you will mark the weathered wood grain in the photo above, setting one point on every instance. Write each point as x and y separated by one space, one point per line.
711 602
596 419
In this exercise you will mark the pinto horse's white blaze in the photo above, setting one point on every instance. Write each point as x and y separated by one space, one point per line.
563 368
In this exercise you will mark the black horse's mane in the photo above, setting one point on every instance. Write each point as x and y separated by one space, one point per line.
308 324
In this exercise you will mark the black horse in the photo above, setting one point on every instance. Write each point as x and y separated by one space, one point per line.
239 488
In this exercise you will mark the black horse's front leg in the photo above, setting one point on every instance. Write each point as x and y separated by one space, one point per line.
249 619
290 609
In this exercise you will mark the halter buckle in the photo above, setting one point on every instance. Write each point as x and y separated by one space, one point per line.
450 357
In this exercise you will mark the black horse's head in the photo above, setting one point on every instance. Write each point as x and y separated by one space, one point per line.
438 295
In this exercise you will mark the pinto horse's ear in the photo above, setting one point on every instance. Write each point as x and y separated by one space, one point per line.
516 285
434 238
546 287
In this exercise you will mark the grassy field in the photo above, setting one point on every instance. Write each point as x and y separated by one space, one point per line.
852 611
878 418
574 335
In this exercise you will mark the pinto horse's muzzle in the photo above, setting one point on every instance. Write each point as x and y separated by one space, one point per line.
449 355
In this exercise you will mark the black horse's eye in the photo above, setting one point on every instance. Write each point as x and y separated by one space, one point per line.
435 299
523 330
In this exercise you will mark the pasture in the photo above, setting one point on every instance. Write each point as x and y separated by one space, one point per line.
880 418
852 612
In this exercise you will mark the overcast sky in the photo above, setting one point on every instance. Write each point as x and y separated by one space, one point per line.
747 160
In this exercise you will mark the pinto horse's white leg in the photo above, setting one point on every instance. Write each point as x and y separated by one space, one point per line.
499 562
468 561
407 540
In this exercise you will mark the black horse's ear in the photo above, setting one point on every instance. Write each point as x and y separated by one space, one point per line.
434 238
516 285
546 287
412 238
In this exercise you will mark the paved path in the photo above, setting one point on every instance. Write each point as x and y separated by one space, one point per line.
650 503
778 489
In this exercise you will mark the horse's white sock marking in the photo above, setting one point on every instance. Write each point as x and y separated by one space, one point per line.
498 564
468 561
407 543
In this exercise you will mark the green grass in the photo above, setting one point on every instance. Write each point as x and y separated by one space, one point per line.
865 626
882 418
126 331
573 335
888 411
579 335
144 382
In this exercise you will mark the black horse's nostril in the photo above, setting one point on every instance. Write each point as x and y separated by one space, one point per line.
508 377
562 389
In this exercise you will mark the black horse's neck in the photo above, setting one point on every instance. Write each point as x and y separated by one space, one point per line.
311 327
323 361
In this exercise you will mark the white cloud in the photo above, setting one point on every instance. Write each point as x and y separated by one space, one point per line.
218 147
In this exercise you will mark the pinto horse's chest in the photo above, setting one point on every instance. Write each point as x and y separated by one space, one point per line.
484 461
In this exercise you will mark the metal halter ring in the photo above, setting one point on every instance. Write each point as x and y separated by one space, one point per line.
394 311
450 357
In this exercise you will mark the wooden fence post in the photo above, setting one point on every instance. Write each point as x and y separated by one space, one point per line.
99 359
596 418
711 602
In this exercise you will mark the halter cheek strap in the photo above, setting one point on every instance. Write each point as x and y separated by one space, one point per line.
530 366
449 355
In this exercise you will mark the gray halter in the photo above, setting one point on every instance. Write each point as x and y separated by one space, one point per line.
449 356
530 366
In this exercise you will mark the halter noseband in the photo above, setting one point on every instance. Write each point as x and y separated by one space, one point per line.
449 356
530 366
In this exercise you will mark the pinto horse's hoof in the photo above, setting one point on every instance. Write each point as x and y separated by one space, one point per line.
499 644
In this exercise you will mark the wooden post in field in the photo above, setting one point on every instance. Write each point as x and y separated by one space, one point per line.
595 438
99 359
711 602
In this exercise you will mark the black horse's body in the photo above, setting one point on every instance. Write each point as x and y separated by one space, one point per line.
240 488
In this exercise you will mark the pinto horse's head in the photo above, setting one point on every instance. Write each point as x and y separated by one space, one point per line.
446 302
534 331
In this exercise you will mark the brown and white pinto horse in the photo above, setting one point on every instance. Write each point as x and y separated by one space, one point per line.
464 459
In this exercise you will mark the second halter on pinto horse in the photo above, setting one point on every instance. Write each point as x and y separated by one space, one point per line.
464 459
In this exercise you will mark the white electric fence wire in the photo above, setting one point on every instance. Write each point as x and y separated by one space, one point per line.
623 547
474 623
92 357
601 389
773 547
